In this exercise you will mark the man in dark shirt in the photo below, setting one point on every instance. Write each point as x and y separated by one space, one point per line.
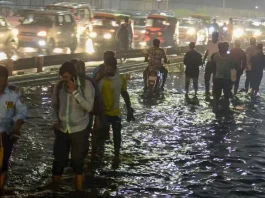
258 64
240 57
192 60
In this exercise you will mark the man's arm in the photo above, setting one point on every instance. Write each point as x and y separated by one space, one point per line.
118 32
200 60
185 60
244 61
205 56
147 55
86 101
127 100
164 56
20 116
55 103
131 32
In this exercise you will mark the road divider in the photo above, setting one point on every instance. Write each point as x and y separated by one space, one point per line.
40 62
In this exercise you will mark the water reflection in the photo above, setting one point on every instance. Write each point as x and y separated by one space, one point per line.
174 149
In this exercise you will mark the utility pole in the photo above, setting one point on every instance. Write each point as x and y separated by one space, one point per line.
167 4
223 4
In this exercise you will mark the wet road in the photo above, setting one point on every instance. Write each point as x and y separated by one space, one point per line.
174 149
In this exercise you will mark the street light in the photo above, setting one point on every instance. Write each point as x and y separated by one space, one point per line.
257 7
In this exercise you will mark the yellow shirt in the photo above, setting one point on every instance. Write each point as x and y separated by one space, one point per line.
111 89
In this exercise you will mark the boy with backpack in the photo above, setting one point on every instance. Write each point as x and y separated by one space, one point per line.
71 104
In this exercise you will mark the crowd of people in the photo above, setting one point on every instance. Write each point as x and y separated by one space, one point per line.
226 68
81 107
84 106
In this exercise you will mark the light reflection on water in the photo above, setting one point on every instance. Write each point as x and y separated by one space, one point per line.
174 149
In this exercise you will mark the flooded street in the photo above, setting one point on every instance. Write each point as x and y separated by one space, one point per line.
174 149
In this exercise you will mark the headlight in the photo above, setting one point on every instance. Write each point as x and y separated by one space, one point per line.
211 30
238 32
80 30
42 33
191 31
114 23
143 44
143 31
42 43
3 56
93 34
15 32
107 36
89 46
257 33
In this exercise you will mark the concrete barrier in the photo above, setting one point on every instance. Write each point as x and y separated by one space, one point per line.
43 61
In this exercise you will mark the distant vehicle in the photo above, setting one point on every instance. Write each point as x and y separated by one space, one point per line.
105 26
83 15
15 19
6 8
8 37
139 22
193 29
163 27
47 30
244 29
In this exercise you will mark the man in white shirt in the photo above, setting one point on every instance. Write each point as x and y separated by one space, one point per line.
212 48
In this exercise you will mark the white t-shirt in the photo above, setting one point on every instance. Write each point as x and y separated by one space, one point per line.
212 48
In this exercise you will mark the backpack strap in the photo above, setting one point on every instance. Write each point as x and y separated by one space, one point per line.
58 87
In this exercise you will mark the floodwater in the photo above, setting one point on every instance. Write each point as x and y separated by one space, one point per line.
174 149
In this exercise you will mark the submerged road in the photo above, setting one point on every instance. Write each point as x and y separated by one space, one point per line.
174 149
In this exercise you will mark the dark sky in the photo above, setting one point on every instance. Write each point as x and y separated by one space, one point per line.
240 4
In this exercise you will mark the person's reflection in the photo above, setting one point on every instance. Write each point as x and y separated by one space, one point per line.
222 126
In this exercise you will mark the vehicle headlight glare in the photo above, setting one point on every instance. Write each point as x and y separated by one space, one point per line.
42 33
191 31
93 34
42 43
80 30
211 30
107 36
238 32
143 31
143 44
15 32
257 33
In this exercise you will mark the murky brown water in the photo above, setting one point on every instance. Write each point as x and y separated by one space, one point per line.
174 149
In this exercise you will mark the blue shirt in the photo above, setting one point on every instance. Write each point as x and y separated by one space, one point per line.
96 70
11 109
